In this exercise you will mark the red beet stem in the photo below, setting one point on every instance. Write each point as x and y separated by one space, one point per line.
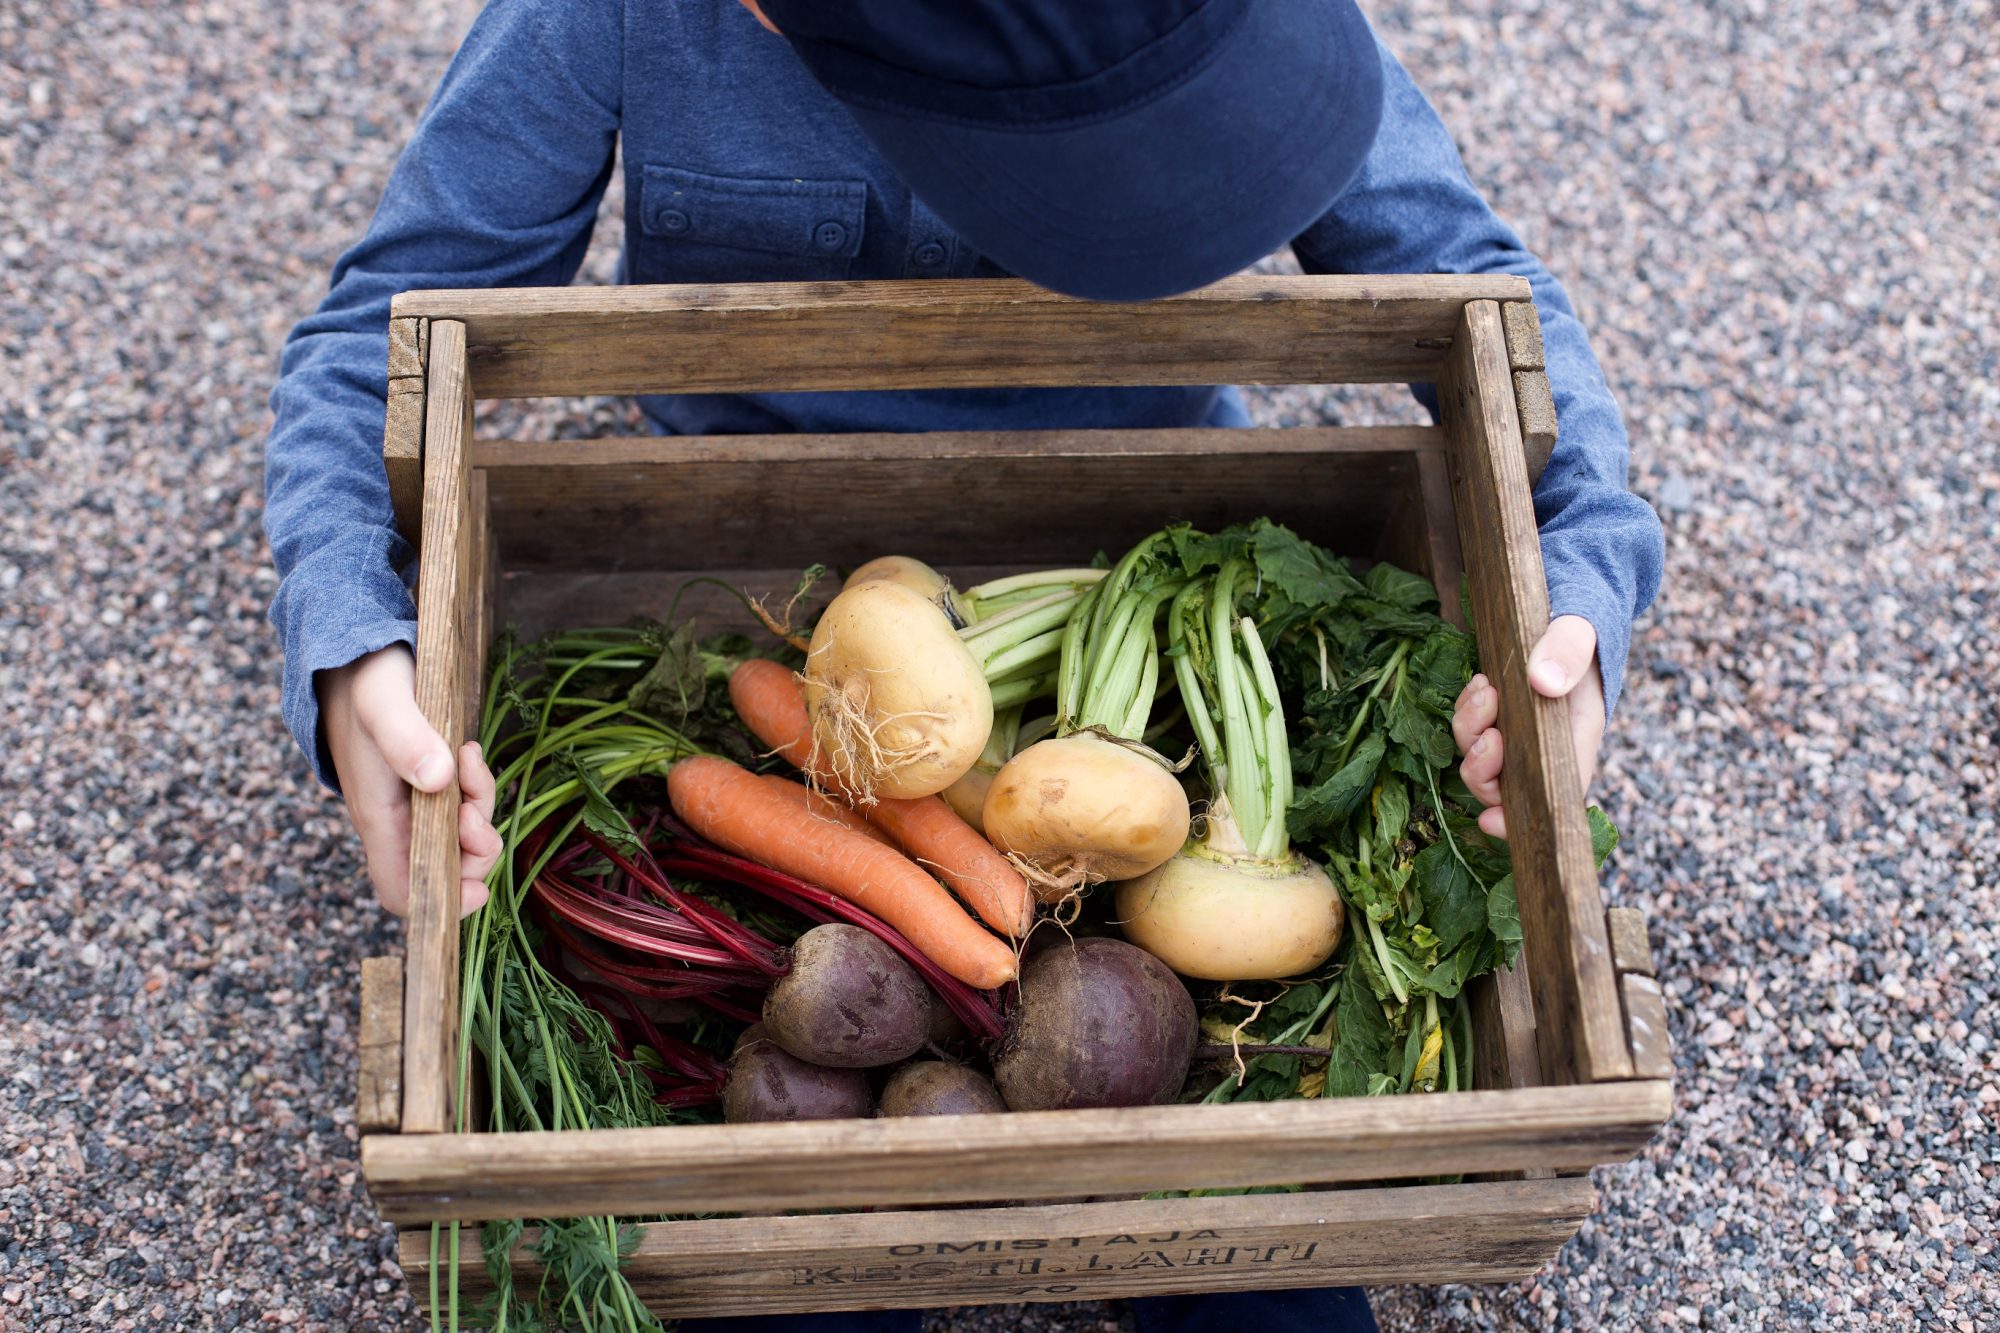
751 948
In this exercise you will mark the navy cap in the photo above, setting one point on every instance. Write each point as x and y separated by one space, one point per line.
1111 149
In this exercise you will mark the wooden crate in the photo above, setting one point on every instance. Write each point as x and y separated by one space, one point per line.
1573 1067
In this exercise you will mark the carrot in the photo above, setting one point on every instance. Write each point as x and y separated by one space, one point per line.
937 839
739 812
826 808
766 695
768 699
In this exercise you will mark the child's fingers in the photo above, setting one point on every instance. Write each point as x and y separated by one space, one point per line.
1493 822
475 779
478 849
478 843
1478 709
1481 769
1562 656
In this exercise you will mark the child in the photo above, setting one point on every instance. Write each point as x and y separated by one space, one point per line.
1120 150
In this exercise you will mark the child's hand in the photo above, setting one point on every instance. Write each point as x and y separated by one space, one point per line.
1563 665
381 747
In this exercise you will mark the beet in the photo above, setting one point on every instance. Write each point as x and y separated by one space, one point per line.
767 1084
1100 1023
939 1087
849 1002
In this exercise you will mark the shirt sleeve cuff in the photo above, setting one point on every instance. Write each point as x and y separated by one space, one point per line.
1612 620
341 603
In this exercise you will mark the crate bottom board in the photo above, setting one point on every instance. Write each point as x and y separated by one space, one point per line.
1497 1231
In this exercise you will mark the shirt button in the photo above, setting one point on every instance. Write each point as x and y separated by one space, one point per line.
930 254
830 236
673 220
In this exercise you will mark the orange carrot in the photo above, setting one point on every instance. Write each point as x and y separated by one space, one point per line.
816 806
739 812
768 699
937 839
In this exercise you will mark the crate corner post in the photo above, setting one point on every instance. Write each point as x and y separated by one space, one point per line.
430 980
1567 953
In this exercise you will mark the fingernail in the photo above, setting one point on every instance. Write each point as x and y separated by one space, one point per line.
1549 676
1481 745
433 772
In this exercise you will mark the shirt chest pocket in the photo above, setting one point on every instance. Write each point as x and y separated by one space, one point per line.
701 228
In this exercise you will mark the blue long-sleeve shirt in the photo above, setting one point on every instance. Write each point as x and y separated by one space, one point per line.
738 166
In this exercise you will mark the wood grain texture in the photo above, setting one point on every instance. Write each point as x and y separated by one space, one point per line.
1014 497
481 572
1630 951
1535 402
762 337
1579 1025
853 1163
378 1095
1522 325
430 979
403 424
1089 1251
1646 1026
1447 563
1504 1051
1503 1022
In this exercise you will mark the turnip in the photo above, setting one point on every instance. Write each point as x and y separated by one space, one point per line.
1238 904
1224 917
765 1083
1100 1023
899 706
919 578
939 1087
1093 803
849 1002
1082 809
903 674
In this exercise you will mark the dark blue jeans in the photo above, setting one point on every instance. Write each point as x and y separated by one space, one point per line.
1325 1310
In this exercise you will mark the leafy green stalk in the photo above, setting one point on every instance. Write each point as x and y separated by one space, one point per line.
1107 676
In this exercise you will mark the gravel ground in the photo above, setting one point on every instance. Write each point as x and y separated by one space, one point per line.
1779 218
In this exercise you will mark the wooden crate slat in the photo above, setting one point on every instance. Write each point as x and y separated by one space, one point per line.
1578 1015
430 979
1522 326
1629 950
1646 1026
1447 563
480 574
851 1163
403 423
765 337
1535 403
1503 1021
1191 443
1091 1251
1030 498
378 1095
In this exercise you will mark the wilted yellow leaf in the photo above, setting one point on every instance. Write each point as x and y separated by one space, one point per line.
1427 1063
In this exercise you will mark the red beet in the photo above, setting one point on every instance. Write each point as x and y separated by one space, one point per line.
1100 1023
767 1084
939 1087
